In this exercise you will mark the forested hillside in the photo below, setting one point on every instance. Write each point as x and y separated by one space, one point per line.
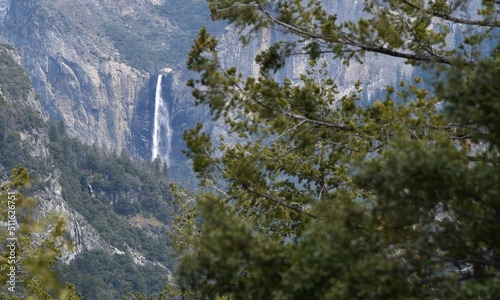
99 76
128 204
126 201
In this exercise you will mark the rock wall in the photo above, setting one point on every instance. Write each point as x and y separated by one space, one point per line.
76 69
80 57
34 138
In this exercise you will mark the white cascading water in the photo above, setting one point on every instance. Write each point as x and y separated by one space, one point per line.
162 132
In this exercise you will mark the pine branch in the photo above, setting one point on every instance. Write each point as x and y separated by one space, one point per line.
351 41
279 202
481 23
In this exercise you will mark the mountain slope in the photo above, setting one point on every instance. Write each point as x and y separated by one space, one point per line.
116 209
93 62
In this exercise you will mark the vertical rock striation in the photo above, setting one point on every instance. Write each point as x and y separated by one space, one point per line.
69 49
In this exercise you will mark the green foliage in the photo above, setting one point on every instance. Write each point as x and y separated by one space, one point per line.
111 191
140 49
323 198
14 81
16 117
117 189
100 275
400 28
31 246
179 11
116 194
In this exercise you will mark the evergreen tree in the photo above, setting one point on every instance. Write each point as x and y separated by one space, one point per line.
326 199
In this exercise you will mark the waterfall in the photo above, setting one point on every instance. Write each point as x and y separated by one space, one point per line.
162 132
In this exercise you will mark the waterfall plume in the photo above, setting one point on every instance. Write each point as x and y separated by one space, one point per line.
162 131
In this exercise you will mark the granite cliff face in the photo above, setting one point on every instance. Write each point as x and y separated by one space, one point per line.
76 55
76 67
26 139
95 63
36 141
375 73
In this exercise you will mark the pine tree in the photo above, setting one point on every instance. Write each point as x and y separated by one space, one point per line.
324 198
